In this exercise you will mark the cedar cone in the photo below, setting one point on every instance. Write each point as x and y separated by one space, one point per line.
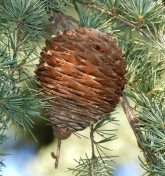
84 70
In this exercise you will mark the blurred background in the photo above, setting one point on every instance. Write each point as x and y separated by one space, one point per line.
26 157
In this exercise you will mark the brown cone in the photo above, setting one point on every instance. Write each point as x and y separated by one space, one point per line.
85 70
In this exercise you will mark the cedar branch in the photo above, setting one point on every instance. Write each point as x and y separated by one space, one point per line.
133 121
115 16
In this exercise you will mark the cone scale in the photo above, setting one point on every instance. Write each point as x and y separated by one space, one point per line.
84 70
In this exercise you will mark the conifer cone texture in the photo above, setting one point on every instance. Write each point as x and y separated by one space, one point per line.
85 70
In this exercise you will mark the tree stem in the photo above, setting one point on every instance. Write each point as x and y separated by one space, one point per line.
129 113
93 158
57 156
18 34
133 121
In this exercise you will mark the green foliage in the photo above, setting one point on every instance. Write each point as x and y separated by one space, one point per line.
139 28
146 86
101 168
112 6
93 19
103 162
19 106
143 10
144 52
151 129
56 5
24 15
19 29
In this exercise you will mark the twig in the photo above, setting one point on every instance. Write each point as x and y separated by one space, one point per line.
18 33
57 156
129 113
59 18
112 15
133 121
18 40
131 118
119 18
93 158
